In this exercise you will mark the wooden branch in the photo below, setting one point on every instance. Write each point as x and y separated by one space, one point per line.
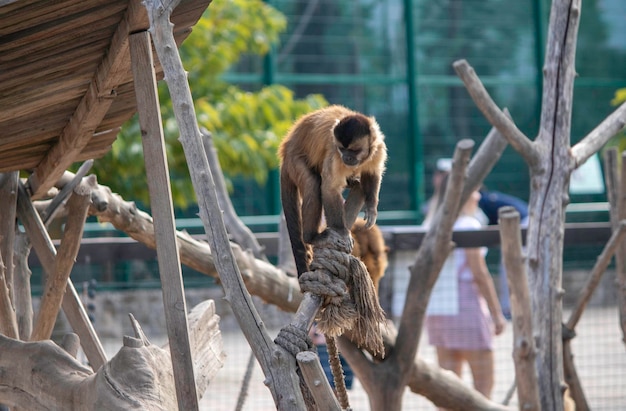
430 258
442 387
55 205
316 380
72 305
239 232
599 136
71 344
8 192
496 117
524 350
159 188
550 182
594 277
262 278
54 288
486 157
273 286
21 286
571 377
558 75
278 366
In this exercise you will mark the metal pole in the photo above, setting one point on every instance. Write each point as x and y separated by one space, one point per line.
415 137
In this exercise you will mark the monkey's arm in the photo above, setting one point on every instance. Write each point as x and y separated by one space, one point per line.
333 184
354 202
370 184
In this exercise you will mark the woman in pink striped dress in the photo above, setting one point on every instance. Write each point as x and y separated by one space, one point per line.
467 335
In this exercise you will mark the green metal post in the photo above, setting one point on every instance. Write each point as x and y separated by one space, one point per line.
415 137
539 17
273 183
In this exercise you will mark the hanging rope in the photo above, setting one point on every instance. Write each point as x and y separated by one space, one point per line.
338 376
349 300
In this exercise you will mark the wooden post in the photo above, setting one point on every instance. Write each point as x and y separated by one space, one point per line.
8 192
163 213
524 350
54 290
72 306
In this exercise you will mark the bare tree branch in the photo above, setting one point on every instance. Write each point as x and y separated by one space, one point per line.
430 258
524 350
599 136
278 366
496 117
240 233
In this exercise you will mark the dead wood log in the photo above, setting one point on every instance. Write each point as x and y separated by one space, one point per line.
72 306
138 377
277 365
159 188
239 232
21 286
8 192
524 350
68 250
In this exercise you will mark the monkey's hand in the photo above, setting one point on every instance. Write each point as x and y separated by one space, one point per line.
371 214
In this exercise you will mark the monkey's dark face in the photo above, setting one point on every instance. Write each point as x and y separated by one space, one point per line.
355 153
352 137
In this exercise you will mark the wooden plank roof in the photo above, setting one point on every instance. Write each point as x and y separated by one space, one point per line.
65 79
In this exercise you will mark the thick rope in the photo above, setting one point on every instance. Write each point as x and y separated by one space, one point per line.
338 375
349 300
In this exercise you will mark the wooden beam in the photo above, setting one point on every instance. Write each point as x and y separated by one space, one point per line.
113 71
164 225
52 297
8 192
72 306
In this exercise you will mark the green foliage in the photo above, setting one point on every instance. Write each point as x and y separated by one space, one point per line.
619 140
246 126
620 97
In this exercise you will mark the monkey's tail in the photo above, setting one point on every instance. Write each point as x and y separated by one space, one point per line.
291 202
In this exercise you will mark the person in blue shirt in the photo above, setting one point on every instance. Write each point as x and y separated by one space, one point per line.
490 202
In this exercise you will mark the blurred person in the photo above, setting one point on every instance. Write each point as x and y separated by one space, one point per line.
463 332
443 167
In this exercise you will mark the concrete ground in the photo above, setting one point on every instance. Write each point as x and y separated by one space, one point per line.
599 356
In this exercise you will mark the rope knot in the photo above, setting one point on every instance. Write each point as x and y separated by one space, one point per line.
349 300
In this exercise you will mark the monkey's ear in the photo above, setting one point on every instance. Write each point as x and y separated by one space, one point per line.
333 129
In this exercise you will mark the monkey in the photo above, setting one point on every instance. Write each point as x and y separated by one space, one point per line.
369 246
323 152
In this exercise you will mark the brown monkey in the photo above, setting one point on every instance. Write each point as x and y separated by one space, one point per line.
322 152
369 246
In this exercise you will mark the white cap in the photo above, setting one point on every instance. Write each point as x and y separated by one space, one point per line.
444 164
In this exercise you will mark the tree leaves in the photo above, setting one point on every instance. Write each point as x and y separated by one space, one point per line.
247 126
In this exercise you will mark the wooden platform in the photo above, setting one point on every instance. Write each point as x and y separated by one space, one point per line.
66 80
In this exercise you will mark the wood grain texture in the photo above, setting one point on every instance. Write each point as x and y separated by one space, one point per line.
164 225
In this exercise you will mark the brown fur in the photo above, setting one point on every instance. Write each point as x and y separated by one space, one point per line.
313 174
369 246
